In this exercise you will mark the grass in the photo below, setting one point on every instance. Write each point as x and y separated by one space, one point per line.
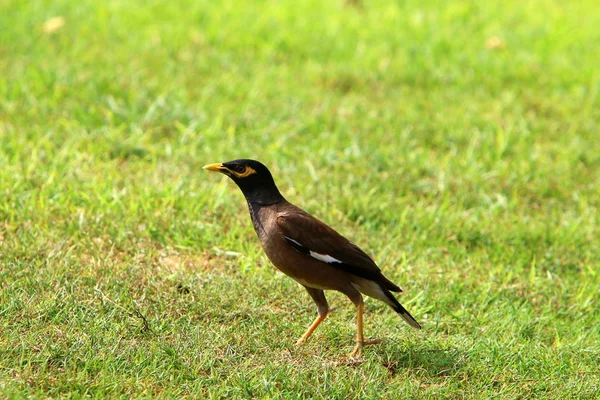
456 142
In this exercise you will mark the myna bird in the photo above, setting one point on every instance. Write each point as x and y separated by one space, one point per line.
308 250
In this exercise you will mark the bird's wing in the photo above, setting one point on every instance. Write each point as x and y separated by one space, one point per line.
309 236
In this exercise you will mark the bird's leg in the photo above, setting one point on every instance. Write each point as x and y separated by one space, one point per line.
360 339
323 309
311 328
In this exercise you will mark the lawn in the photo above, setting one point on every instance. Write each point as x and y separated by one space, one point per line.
455 142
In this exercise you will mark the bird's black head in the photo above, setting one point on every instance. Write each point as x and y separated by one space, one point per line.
252 177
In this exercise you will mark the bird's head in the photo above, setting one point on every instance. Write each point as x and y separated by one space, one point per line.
252 177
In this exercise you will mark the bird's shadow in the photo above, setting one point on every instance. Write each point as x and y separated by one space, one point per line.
434 362
439 362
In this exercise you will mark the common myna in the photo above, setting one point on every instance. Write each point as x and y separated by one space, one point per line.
309 251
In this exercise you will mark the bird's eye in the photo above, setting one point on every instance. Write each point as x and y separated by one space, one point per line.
240 169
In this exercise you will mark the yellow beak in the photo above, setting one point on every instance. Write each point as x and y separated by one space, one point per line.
215 167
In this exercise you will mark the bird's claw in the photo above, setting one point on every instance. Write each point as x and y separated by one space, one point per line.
358 350
373 341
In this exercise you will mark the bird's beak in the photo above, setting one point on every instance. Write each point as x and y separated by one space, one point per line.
215 167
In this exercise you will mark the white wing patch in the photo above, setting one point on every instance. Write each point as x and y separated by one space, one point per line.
318 256
324 257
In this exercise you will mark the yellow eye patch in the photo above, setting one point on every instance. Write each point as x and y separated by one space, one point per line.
248 171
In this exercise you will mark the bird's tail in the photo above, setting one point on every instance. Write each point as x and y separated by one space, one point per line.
401 311
380 292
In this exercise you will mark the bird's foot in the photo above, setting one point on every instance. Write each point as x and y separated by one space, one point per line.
358 349
357 352
373 341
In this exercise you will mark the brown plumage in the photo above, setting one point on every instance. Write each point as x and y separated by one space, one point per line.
308 250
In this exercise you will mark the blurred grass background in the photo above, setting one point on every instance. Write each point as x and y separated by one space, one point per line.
456 142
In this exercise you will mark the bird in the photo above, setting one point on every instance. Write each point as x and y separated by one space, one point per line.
309 251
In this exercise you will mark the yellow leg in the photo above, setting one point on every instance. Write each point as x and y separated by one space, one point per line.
360 339
357 352
311 328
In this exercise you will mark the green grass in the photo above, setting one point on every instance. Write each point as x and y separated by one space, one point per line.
456 142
